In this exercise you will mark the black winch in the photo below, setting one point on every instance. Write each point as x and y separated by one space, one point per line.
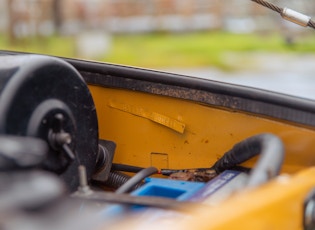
46 98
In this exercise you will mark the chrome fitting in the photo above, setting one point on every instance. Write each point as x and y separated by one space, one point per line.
295 17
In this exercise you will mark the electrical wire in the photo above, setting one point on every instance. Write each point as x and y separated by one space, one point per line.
136 179
271 151
126 168
268 146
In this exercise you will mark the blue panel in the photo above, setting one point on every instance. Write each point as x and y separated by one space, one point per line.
179 190
173 189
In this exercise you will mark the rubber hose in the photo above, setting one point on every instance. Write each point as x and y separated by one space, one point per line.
269 163
136 179
271 151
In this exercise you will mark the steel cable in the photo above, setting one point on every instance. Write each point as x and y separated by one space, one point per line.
269 5
279 10
311 24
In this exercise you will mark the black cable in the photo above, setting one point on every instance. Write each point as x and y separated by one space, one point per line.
133 181
268 146
168 172
271 151
126 168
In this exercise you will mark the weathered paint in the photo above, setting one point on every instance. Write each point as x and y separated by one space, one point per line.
209 131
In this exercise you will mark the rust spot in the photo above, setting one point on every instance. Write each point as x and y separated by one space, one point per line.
186 142
206 141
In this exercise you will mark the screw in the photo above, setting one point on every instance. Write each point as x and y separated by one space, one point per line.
84 188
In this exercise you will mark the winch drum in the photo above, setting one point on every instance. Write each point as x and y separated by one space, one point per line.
47 98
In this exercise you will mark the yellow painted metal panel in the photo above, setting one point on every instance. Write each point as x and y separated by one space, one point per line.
209 132
277 205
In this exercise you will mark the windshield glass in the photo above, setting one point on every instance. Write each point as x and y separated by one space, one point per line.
234 41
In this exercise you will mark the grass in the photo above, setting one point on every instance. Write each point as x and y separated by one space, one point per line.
58 46
195 50
162 50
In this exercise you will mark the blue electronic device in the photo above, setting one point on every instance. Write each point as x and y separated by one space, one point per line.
175 189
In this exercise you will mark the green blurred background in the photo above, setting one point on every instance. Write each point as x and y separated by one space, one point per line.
153 33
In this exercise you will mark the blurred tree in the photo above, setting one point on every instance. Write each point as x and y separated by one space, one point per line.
57 14
11 20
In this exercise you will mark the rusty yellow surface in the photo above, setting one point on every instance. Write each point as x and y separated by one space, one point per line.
275 205
279 204
208 131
